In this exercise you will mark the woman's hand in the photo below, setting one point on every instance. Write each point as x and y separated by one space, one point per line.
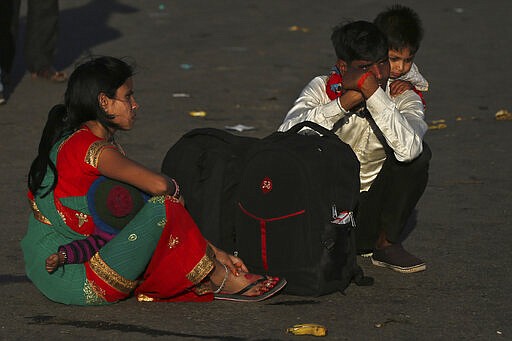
234 263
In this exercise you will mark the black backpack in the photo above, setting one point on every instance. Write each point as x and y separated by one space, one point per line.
206 163
294 216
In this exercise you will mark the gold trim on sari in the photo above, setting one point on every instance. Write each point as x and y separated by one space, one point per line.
37 214
160 199
93 294
111 277
203 267
144 298
94 152
203 288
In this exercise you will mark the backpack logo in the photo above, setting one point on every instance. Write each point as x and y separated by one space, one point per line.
266 185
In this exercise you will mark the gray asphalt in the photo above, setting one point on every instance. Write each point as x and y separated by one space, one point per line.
242 64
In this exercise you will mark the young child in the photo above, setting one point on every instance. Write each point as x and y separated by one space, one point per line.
403 29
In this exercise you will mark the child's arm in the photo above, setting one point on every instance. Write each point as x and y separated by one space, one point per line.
77 252
416 79
398 87
412 80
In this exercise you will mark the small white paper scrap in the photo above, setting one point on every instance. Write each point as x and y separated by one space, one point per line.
239 127
180 95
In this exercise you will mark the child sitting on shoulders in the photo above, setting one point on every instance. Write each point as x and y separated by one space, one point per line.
403 29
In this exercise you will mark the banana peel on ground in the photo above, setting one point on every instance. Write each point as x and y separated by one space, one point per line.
308 329
503 115
437 124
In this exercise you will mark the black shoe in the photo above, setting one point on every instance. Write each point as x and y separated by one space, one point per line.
365 253
2 98
396 258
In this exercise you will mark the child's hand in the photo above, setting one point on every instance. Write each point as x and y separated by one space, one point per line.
52 262
398 87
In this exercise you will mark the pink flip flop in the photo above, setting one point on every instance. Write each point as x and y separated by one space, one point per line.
239 297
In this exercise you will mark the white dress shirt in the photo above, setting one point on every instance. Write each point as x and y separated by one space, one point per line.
401 120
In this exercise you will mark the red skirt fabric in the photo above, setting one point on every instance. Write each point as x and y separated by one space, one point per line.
181 262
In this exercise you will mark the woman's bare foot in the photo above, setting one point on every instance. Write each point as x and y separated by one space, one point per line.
236 284
244 287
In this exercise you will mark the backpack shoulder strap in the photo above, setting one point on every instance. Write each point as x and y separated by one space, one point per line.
378 132
363 112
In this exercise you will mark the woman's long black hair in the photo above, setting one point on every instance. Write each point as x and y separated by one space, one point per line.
86 83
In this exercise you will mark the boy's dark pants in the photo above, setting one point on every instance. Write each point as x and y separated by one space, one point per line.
391 200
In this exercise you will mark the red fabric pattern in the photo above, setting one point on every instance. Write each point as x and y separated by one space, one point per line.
107 292
119 202
165 278
73 180
83 226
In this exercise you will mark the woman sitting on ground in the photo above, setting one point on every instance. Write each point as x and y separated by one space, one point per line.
160 255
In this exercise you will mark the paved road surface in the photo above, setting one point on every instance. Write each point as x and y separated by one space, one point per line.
241 64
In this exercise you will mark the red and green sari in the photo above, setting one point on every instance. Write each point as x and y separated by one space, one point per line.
159 256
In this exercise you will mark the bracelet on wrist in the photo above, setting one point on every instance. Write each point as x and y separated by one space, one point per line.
176 189
63 257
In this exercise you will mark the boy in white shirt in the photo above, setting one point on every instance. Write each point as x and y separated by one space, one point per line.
385 132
